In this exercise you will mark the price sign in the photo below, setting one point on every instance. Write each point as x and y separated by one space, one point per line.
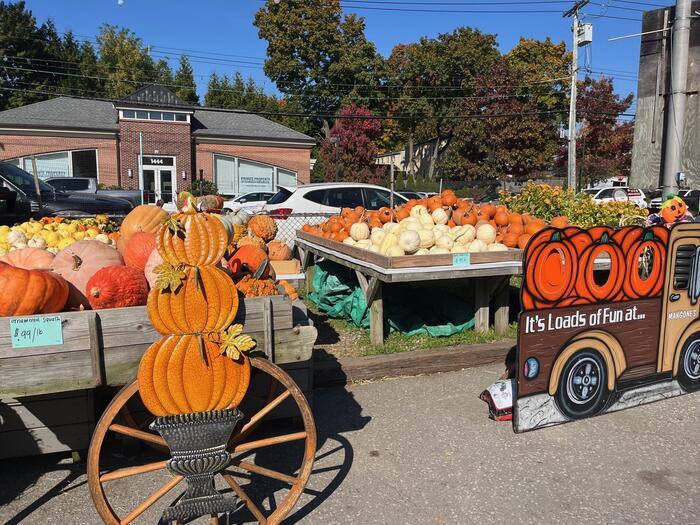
461 259
27 332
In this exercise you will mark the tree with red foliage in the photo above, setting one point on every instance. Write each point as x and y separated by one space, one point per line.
357 147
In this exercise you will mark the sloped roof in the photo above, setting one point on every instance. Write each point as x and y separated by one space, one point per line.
153 95
63 112
241 124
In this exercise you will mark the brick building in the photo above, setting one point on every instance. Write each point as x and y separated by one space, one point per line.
154 141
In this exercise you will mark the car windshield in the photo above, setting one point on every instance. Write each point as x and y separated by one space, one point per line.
281 196
22 180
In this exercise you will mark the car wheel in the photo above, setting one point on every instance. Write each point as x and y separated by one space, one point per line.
689 365
582 390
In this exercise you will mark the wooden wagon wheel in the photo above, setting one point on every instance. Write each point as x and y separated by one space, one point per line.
238 447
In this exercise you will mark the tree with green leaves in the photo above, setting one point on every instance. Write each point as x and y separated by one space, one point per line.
317 57
186 88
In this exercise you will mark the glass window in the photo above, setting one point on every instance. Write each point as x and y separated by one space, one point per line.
142 114
155 115
344 197
70 184
317 196
606 193
14 162
375 199
22 180
50 166
281 196
85 163
168 116
253 176
180 117
225 174
286 178
128 113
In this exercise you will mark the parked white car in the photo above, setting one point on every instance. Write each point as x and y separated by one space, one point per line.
252 202
329 197
618 193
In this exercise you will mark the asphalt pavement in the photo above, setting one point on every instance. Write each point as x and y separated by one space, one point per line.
421 450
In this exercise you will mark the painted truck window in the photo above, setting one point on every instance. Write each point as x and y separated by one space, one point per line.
682 266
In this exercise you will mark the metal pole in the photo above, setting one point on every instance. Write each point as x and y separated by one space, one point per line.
673 153
141 165
391 179
337 162
36 181
571 166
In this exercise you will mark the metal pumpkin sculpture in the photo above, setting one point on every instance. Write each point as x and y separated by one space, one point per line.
194 377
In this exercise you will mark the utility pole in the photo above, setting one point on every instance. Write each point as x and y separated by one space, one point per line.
675 107
571 167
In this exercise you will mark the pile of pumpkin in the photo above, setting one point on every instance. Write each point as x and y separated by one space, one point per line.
437 225
93 274
55 233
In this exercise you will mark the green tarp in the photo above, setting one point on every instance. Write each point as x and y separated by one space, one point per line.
409 308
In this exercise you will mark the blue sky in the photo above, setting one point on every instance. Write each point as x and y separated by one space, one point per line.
218 29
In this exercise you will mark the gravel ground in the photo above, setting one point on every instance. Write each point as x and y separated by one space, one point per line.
422 451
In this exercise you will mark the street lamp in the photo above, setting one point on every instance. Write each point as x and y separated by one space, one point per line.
336 142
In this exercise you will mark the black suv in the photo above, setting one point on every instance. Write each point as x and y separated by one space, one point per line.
19 200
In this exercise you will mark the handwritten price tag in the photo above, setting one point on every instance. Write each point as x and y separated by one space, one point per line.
461 259
27 332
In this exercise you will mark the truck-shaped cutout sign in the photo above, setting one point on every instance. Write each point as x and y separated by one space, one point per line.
610 320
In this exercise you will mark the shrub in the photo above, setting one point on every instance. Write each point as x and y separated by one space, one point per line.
206 187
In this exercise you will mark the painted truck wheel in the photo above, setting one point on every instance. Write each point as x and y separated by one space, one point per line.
689 365
582 390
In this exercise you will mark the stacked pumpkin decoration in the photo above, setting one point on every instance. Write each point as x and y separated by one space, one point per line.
198 364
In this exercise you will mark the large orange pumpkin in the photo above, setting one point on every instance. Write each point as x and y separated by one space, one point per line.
175 378
80 261
29 258
249 260
117 287
27 292
263 226
205 301
144 218
139 249
590 285
192 238
279 251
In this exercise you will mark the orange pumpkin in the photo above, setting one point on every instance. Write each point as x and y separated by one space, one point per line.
279 251
501 218
251 240
587 285
448 198
175 379
263 226
192 238
523 239
515 218
510 239
402 212
144 218
27 292
516 228
29 259
673 210
434 203
534 226
117 287
249 260
204 301
488 209
560 222
139 249
385 215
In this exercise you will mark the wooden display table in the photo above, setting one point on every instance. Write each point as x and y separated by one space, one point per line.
491 271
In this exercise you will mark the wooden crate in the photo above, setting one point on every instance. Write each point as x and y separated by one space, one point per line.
409 261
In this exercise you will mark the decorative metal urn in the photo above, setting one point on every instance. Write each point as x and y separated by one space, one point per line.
197 443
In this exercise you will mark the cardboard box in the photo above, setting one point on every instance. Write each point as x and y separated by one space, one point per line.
291 267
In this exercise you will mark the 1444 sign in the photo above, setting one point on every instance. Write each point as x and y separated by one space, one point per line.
602 316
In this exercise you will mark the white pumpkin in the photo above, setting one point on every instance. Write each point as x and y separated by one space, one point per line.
377 236
427 238
486 233
497 247
359 231
441 229
394 251
439 216
363 244
465 235
477 246
436 250
390 240
349 240
459 248
409 241
18 246
412 226
426 219
37 242
103 238
390 227
422 251
444 241
417 210
374 248
16 237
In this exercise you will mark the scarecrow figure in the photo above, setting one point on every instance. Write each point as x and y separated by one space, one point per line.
673 210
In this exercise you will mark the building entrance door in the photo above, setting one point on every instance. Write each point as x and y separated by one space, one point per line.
158 181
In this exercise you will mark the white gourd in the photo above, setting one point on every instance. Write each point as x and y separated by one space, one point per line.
427 238
497 247
103 238
374 248
444 241
486 233
439 216
417 210
394 251
441 229
409 241
459 248
363 244
422 251
390 227
359 231
349 240
18 246
389 240
16 237
413 226
466 234
377 236
425 219
37 242
436 250
477 246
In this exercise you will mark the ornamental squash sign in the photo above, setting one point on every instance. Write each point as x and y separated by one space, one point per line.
609 321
